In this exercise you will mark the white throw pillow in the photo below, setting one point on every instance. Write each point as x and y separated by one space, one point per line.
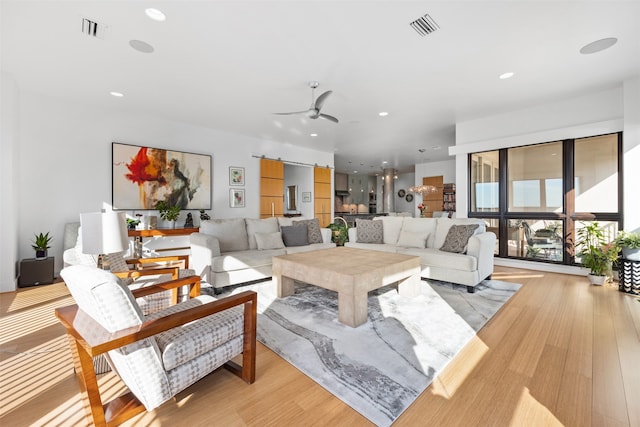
410 239
391 226
231 233
267 225
421 226
267 241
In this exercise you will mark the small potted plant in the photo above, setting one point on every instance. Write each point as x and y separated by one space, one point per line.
339 231
168 212
41 244
629 242
596 255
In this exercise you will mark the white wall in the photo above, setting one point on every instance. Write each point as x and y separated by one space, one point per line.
404 181
65 163
9 145
631 141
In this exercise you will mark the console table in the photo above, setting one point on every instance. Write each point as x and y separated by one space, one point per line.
138 235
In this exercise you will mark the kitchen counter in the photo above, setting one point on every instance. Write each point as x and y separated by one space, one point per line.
351 217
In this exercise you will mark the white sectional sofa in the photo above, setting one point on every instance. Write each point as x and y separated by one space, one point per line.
232 251
424 237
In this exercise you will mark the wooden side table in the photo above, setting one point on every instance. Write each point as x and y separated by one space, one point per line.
629 276
35 272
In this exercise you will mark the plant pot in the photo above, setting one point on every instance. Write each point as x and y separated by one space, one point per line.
596 279
41 254
631 254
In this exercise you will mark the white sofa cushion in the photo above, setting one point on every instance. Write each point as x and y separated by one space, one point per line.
421 226
445 260
412 239
267 225
269 241
241 260
391 226
231 233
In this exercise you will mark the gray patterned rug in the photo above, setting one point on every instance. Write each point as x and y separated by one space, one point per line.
381 367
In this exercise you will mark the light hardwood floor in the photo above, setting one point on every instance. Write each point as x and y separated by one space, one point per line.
560 352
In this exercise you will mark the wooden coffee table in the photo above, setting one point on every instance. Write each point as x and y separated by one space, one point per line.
350 272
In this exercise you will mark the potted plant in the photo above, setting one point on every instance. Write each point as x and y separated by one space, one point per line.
41 244
629 242
339 232
168 212
597 255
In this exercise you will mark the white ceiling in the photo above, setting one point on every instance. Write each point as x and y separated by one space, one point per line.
230 65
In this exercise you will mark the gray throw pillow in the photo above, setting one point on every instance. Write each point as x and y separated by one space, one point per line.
313 229
295 235
458 237
368 231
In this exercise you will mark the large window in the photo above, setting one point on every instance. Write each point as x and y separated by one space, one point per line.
535 197
530 169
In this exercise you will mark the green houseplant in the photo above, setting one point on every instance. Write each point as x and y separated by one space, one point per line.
168 212
596 254
41 244
629 242
339 232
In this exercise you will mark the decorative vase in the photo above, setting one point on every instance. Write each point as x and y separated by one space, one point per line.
597 280
631 254
41 254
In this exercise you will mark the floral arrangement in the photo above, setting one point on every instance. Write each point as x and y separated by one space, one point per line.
422 207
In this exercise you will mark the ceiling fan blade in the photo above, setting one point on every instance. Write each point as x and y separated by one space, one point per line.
293 112
322 98
328 117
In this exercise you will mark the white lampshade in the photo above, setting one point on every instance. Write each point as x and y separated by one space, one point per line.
104 232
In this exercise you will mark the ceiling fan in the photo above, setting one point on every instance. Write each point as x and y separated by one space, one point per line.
314 110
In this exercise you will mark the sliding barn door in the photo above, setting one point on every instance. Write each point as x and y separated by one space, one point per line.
433 201
322 195
271 188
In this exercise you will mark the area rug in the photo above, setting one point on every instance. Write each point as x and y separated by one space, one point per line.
381 367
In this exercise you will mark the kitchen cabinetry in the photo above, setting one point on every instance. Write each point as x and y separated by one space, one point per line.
358 187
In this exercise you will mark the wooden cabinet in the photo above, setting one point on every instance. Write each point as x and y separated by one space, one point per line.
322 195
358 186
271 188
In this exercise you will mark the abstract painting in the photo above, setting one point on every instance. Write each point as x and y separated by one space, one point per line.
143 176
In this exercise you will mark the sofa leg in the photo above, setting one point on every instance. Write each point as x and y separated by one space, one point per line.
471 289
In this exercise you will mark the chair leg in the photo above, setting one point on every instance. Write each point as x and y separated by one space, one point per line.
249 350
88 383
113 413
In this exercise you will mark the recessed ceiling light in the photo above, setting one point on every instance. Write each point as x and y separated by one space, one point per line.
313 134
155 14
141 46
383 114
598 45
355 171
384 162
117 94
507 75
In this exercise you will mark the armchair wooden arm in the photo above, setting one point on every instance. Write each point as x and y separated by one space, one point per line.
88 338
139 263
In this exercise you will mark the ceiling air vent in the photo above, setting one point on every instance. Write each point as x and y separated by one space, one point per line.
93 28
424 25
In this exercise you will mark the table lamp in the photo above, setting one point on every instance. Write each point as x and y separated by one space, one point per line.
104 233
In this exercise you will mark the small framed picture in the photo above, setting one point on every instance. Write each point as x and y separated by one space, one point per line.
306 196
236 198
236 176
